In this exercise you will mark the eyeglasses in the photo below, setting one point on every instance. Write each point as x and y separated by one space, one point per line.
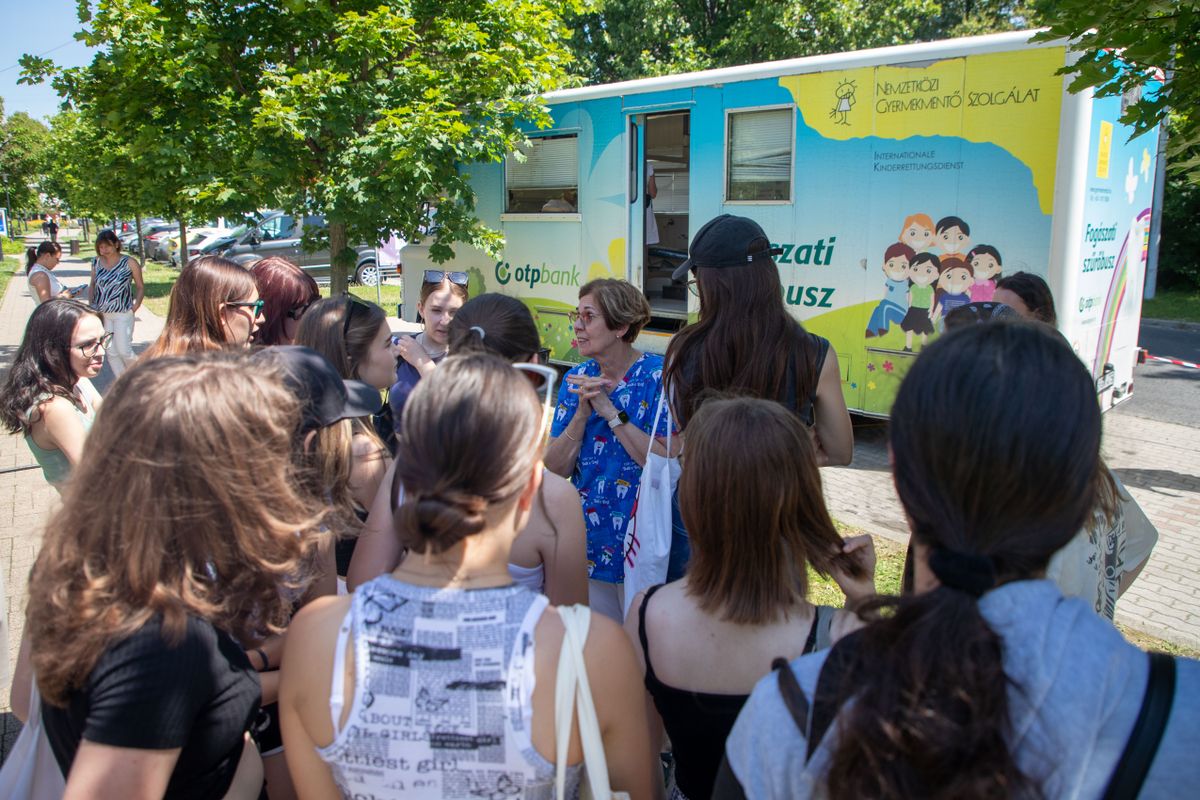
298 312
543 356
542 379
438 275
89 349
256 305
587 316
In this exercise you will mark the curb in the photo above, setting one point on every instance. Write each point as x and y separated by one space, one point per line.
1173 324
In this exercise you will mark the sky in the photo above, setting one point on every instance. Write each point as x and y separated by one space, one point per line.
40 27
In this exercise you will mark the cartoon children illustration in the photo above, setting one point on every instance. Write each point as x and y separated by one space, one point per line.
892 307
985 264
953 235
845 101
953 285
917 232
922 273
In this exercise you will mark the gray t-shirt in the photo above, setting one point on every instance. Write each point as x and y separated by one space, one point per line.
1076 690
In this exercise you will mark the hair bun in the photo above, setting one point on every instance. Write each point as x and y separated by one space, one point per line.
437 521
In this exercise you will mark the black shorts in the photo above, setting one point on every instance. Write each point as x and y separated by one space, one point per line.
917 321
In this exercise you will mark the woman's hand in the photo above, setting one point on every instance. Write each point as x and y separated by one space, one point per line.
593 395
861 549
408 348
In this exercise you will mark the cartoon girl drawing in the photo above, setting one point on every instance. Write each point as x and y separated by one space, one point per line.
953 235
845 101
985 264
917 232
892 307
922 273
953 285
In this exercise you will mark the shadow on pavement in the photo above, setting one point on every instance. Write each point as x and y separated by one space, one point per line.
1162 481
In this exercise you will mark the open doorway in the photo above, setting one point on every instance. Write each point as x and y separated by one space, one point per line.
668 140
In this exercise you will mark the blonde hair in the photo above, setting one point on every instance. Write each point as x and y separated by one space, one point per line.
185 503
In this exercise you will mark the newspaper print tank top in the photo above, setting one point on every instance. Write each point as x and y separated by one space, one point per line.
114 289
443 683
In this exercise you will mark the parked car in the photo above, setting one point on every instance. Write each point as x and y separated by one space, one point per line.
280 234
195 237
129 238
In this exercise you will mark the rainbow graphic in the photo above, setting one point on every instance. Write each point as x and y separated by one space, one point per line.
1116 292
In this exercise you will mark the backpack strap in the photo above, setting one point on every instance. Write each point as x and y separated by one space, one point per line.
815 718
1130 772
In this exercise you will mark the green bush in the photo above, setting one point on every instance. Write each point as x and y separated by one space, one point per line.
1179 253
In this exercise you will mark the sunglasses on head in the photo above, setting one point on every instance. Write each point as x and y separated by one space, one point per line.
542 379
439 275
352 302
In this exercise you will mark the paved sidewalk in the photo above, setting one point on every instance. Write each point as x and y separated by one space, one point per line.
1159 462
26 500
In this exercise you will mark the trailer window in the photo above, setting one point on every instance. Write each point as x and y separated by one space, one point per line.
546 180
759 157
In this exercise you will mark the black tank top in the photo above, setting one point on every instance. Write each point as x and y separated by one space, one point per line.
698 722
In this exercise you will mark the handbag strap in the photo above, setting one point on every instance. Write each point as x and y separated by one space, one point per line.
662 403
1130 772
572 692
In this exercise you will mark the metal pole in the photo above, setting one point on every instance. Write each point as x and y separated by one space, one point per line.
1156 209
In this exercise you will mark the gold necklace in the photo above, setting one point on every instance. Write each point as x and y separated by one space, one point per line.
465 580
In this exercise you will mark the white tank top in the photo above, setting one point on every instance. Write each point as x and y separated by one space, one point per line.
443 688
55 286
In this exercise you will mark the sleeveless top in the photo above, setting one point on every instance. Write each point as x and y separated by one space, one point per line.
55 287
443 688
698 723
54 464
532 578
114 292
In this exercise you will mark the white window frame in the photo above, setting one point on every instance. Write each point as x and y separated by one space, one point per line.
538 216
791 198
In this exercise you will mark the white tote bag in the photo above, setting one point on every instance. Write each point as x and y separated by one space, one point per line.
648 535
572 691
31 772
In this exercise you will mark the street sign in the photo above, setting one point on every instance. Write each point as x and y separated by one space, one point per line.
3 222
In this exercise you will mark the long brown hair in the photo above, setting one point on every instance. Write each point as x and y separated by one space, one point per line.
342 329
195 319
744 341
930 713
283 287
750 495
185 503
469 438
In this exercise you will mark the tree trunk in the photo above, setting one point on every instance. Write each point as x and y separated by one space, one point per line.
341 258
182 244
137 220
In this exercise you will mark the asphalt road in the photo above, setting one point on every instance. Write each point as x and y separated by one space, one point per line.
1161 391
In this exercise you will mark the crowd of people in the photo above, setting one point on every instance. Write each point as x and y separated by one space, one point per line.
298 555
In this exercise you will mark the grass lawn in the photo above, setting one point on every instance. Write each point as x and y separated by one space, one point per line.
390 295
1173 304
158 280
889 566
8 267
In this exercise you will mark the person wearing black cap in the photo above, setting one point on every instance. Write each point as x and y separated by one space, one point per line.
322 452
746 341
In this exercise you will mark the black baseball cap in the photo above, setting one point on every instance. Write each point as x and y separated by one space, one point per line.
726 241
324 396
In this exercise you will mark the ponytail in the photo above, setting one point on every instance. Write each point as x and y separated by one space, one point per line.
43 249
988 502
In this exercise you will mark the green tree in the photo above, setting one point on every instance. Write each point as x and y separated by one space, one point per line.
23 146
625 39
1124 44
358 110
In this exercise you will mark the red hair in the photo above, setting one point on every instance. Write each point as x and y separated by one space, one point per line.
282 286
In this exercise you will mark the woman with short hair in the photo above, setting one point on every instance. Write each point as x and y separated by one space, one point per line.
48 394
985 681
287 293
116 291
751 496
214 305
602 427
166 559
